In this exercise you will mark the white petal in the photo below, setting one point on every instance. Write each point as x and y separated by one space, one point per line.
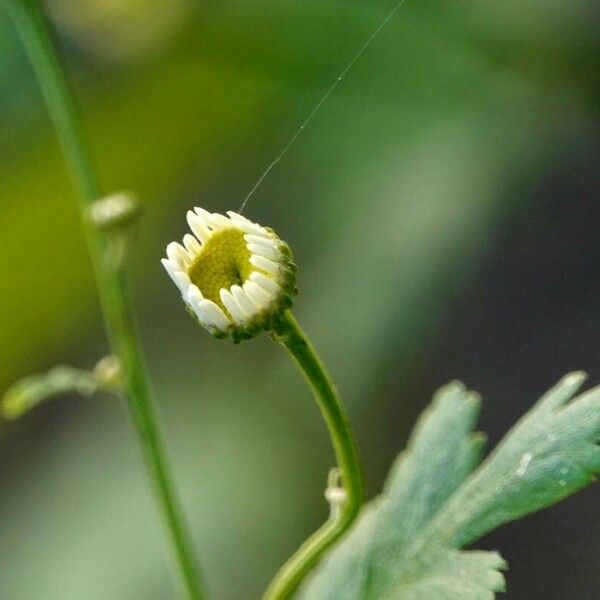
193 294
248 307
231 305
265 264
265 251
204 215
260 239
246 225
213 220
178 255
180 279
220 222
211 315
192 245
198 227
257 294
265 283
168 265
236 216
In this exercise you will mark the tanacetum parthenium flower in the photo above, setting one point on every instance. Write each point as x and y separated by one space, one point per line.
236 277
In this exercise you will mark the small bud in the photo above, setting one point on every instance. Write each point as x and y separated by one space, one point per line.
335 494
236 277
115 211
107 373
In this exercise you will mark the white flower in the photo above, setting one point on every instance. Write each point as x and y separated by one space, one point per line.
236 277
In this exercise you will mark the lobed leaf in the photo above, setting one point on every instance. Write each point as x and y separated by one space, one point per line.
406 544
550 454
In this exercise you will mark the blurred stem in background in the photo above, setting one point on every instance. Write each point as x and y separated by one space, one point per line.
342 516
33 28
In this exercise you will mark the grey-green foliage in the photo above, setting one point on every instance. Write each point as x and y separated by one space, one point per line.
407 543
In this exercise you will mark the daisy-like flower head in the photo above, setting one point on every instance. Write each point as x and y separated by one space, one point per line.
236 277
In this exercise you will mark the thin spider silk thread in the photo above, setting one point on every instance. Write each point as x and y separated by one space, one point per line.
320 103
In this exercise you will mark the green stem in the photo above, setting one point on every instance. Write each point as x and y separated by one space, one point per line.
291 574
33 28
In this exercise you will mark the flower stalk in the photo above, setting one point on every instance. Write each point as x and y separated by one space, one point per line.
32 26
238 278
286 582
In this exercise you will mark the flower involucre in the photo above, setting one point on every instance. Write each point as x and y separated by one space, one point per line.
236 277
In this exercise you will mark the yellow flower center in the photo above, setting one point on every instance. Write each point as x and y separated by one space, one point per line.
223 261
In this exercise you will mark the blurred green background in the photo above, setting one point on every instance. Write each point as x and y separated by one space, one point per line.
442 206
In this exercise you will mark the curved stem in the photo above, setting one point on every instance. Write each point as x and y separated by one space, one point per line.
291 574
32 26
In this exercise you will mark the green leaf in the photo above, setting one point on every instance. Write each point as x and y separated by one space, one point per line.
406 544
551 453
455 575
